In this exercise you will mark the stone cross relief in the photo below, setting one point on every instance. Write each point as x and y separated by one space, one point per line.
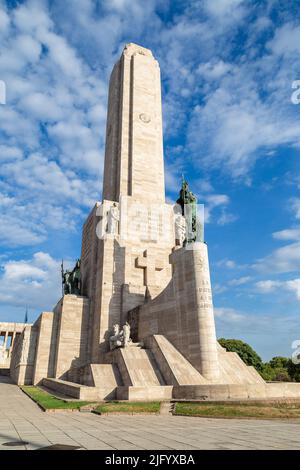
150 265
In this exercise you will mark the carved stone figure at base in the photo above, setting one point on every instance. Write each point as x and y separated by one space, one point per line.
116 340
126 334
119 338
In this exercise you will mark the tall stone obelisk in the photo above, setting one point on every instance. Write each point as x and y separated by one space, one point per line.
131 268
134 142
121 268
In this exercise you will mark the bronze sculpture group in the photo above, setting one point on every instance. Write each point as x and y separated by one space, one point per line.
188 203
71 280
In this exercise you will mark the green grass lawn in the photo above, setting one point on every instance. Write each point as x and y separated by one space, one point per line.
127 407
49 402
245 410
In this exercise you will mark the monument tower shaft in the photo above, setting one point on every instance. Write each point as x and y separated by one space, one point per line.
134 140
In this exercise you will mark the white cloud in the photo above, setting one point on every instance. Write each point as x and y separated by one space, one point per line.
287 234
222 7
229 314
8 153
267 286
213 70
4 21
286 40
214 201
240 281
35 282
228 263
219 288
282 260
292 285
52 127
41 106
295 206
25 222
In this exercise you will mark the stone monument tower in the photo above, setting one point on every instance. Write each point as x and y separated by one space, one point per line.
143 325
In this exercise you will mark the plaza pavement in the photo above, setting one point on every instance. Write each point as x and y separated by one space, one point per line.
21 419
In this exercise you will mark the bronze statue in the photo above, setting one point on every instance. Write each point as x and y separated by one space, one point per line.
188 203
71 280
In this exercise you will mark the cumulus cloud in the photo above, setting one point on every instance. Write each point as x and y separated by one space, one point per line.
230 314
292 285
240 281
286 40
287 234
35 282
228 263
295 206
52 127
282 260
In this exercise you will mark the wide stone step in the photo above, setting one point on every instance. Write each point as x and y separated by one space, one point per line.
80 392
150 393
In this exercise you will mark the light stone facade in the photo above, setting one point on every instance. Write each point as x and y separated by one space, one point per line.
133 269
9 333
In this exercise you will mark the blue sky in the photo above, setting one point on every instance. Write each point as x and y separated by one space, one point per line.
229 125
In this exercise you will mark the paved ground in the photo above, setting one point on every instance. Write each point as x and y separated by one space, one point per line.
21 419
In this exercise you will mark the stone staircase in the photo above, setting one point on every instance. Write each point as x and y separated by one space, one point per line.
141 375
137 366
157 371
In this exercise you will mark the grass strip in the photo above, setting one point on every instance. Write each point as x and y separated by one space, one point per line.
50 402
231 410
128 407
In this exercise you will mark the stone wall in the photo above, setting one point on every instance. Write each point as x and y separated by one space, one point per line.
70 336
44 325
23 356
9 333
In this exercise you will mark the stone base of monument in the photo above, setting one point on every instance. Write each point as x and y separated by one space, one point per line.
150 393
222 392
158 371
214 392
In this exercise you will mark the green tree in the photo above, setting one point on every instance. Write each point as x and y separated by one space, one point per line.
246 353
294 371
267 372
279 362
282 375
